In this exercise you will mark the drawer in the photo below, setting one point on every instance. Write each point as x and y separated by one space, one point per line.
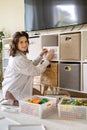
70 46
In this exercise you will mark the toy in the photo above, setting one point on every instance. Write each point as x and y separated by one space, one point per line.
44 100
75 102
38 100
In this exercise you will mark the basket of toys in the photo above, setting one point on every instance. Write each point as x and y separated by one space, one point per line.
40 106
72 108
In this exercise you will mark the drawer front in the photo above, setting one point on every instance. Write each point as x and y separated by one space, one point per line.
70 46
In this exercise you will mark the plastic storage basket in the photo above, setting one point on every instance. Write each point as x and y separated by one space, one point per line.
40 110
67 111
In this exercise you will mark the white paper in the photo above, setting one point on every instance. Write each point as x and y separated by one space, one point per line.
5 122
56 52
27 127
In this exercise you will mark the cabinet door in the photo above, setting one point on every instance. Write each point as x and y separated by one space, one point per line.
70 46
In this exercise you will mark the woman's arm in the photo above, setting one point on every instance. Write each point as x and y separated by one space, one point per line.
40 57
37 60
24 66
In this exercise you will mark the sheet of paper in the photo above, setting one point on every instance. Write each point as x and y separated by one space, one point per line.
56 52
27 127
5 122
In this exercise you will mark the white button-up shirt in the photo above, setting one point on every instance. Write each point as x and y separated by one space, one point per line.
18 78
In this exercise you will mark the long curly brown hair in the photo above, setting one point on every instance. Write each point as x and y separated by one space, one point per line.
14 43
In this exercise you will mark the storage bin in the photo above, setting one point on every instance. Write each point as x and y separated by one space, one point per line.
72 112
70 75
49 40
70 46
50 76
39 110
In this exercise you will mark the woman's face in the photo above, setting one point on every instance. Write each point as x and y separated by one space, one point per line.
23 44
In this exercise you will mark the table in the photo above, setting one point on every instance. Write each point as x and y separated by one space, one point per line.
52 122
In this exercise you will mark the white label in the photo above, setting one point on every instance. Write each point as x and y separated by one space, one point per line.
56 52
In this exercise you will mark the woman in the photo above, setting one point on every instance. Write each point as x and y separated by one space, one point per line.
18 78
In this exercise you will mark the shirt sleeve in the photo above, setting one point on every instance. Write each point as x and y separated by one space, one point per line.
37 60
26 67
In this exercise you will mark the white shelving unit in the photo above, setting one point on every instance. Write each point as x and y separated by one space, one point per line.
34 47
73 54
5 52
72 48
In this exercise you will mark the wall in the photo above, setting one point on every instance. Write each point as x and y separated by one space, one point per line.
11 15
12 19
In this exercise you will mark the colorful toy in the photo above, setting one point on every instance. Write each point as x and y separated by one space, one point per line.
44 100
38 100
76 102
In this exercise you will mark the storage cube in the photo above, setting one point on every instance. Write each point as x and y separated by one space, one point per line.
39 110
70 46
71 111
50 76
70 75
49 40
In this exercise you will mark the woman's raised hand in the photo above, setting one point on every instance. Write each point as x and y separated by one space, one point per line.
44 51
50 54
